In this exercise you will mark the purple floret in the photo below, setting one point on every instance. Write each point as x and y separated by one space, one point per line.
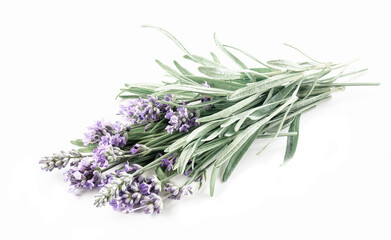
140 194
176 192
169 162
144 111
107 133
85 175
181 120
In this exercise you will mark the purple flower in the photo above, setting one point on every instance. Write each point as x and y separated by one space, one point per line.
169 162
132 167
107 133
128 168
60 160
152 203
104 154
144 188
135 149
85 175
176 192
181 120
131 193
144 111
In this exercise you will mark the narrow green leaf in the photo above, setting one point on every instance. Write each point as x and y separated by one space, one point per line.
215 58
292 140
179 143
172 38
230 110
181 69
241 138
202 130
248 55
160 173
78 142
213 135
175 74
194 89
287 65
213 177
233 162
235 59
262 86
214 144
219 73
231 85
203 61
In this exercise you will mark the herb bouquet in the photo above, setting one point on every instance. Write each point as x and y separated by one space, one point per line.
194 123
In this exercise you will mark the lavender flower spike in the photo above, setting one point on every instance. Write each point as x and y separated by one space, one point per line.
59 160
114 134
104 154
144 111
176 192
152 203
84 175
112 189
181 120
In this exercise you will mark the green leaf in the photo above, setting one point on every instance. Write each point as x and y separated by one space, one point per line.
262 70
172 38
292 140
219 73
215 58
248 55
202 130
262 86
140 89
230 110
308 101
85 150
235 59
186 155
160 173
181 69
233 162
217 83
213 135
213 177
214 144
78 142
179 143
242 137
175 74
287 65
194 89
203 61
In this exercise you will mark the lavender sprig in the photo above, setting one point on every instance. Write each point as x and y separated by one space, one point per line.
107 133
200 122
144 111
84 175
59 160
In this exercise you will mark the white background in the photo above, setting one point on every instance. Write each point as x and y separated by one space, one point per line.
63 62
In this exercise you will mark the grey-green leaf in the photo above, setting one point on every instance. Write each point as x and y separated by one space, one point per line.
213 177
78 142
292 140
230 110
233 162
262 86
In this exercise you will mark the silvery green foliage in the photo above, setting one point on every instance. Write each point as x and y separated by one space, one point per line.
212 116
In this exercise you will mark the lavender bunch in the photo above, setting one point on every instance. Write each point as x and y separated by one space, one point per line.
195 123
